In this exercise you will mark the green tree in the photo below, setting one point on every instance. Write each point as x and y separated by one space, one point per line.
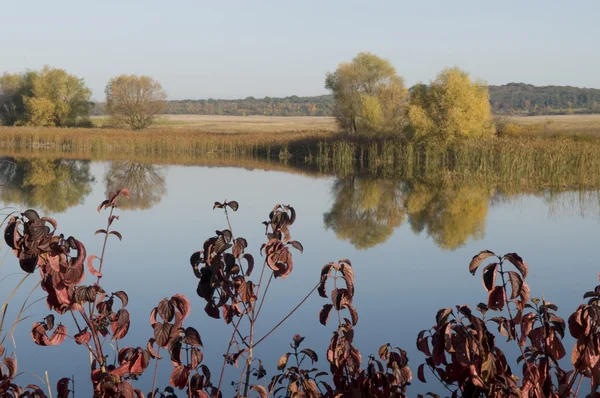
146 183
58 99
451 106
13 89
135 101
365 211
49 185
369 96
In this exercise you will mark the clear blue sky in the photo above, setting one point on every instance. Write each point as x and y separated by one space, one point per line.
233 49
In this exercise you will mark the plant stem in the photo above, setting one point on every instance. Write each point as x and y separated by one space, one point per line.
511 317
288 315
228 351
155 373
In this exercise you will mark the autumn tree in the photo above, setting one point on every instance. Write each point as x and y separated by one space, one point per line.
134 101
451 106
14 88
58 99
369 96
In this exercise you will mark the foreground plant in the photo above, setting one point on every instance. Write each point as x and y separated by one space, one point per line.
460 349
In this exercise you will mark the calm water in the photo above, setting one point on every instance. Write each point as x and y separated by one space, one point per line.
410 243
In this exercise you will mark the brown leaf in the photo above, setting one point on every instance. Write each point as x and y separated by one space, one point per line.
123 297
518 262
11 366
516 283
311 354
162 333
100 231
90 265
192 337
58 336
250 261
150 348
478 259
262 392
489 276
179 377
282 363
324 314
117 234
182 303
196 357
212 311
234 205
83 337
421 373
496 298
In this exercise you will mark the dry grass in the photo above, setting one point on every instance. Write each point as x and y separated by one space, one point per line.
583 125
240 124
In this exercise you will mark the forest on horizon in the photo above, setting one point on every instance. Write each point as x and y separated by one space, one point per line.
511 98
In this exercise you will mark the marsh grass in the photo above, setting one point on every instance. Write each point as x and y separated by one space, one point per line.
540 161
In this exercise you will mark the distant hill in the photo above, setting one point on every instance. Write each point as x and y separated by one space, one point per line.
512 98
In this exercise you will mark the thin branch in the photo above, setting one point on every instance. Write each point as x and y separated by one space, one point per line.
288 315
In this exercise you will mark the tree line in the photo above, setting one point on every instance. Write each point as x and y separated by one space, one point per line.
511 98
367 95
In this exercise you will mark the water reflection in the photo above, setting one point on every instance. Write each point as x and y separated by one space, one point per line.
48 185
366 211
450 213
145 181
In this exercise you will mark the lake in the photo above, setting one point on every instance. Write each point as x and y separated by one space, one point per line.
409 241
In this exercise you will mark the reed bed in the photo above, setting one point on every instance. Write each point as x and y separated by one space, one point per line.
538 161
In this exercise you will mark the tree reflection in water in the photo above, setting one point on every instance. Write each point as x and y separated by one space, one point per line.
366 211
47 185
145 181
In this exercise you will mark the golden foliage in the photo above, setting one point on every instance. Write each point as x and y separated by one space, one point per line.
370 98
451 106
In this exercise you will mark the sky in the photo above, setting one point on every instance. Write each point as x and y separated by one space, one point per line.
235 49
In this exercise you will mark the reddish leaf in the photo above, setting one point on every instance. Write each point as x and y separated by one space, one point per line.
90 265
324 314
150 348
516 283
100 231
250 261
83 337
311 354
496 298
489 276
212 310
182 303
123 297
179 377
58 336
518 262
262 392
478 259
11 366
117 234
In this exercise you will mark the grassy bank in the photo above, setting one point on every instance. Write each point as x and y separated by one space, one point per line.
539 161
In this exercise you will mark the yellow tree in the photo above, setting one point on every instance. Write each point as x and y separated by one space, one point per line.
134 101
369 97
451 106
58 99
